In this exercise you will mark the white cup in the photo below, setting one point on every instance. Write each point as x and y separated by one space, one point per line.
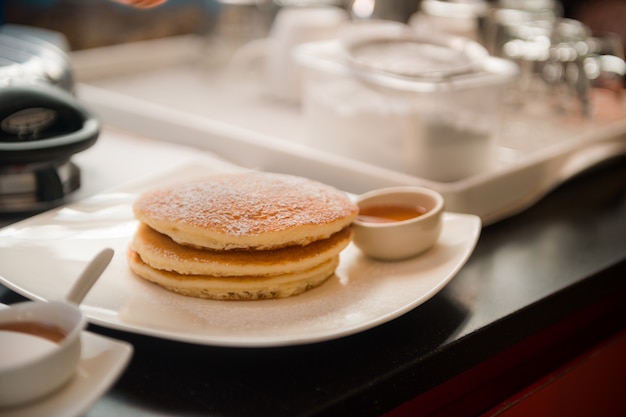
455 18
40 368
294 26
401 238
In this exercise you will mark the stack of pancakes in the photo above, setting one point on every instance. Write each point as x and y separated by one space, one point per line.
240 236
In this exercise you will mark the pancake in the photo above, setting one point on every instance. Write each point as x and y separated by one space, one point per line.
236 288
240 236
248 210
160 252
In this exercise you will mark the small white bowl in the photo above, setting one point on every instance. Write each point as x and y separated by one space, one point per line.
398 239
37 366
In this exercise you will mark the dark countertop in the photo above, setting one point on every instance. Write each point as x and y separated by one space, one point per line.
528 272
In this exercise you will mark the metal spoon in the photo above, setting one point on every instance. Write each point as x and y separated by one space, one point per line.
89 276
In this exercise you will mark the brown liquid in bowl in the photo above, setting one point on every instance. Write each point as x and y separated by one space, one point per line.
46 331
389 213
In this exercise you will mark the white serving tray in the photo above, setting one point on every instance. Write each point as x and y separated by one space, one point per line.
168 90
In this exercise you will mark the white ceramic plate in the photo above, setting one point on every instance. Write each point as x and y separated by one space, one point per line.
41 256
102 361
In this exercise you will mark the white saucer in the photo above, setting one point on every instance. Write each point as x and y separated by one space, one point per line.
102 362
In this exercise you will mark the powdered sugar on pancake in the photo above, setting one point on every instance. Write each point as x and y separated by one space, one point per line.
245 204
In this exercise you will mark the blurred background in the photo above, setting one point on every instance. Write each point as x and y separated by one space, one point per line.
94 23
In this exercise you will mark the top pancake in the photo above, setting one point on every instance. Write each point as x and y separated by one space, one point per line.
248 210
